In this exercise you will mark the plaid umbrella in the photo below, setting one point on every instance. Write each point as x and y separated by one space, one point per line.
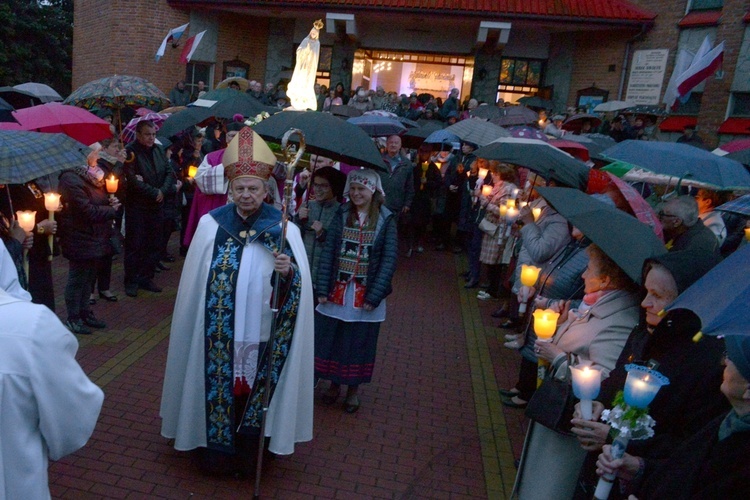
25 156
117 92
128 132
54 117
739 205
477 131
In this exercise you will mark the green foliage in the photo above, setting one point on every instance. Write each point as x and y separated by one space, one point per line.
631 415
36 43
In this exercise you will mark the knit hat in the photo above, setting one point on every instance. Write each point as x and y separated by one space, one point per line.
365 176
738 351
248 156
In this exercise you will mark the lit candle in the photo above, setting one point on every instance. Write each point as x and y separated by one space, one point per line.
503 210
192 170
511 215
515 192
52 204
529 274
586 385
545 323
536 212
522 204
747 233
510 202
486 190
112 184
641 387
26 219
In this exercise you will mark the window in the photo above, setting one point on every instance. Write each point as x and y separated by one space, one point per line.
705 5
198 72
740 104
692 106
521 72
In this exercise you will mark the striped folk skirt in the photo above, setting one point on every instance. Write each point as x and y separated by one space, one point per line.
345 351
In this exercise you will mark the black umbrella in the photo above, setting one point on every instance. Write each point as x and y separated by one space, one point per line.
6 112
625 239
19 98
539 156
325 135
536 102
234 103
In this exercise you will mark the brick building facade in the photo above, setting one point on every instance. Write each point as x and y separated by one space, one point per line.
579 45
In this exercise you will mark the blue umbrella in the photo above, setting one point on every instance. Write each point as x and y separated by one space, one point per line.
441 136
721 297
662 162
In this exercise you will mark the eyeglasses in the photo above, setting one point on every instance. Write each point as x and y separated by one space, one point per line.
321 186
663 215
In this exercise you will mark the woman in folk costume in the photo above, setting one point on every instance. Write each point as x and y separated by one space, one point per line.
215 375
354 278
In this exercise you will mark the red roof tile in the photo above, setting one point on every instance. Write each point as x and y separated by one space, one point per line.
677 123
601 10
700 18
738 126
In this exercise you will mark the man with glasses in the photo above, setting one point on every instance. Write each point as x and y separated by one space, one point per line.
684 230
149 180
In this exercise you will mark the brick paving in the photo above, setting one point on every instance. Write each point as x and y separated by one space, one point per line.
431 424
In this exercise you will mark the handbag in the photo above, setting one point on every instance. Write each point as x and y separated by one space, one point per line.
488 227
552 405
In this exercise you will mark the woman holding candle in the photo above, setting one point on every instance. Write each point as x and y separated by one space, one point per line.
594 333
692 397
111 158
86 226
427 181
354 278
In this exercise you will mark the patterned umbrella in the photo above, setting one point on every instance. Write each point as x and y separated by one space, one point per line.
128 132
25 156
117 92
54 117
526 132
739 205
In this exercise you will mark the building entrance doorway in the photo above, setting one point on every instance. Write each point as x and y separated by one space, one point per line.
407 72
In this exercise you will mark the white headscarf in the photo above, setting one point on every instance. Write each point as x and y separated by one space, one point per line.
366 177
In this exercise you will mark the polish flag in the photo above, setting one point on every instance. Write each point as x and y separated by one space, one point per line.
173 35
705 63
190 45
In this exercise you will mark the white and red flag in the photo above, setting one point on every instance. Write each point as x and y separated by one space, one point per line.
704 64
173 35
190 45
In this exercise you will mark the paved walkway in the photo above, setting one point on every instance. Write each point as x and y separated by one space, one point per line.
431 424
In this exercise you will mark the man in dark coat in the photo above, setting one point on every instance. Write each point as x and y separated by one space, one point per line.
398 182
683 229
713 462
149 182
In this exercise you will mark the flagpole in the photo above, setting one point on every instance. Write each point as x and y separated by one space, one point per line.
291 163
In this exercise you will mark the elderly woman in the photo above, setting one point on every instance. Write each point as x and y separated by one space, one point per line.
692 398
490 255
594 333
354 278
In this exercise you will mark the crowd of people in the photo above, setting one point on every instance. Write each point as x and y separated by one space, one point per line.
268 310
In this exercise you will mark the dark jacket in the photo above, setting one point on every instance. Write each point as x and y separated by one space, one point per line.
398 184
153 166
703 467
698 239
383 256
86 218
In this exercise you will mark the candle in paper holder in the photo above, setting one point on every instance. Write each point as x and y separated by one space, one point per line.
586 384
112 184
483 173
536 212
511 215
545 324
192 171
26 219
486 190
747 233
503 210
52 204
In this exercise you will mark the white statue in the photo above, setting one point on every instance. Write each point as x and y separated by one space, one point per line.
301 89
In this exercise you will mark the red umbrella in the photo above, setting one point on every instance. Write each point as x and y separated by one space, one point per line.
732 147
53 117
575 149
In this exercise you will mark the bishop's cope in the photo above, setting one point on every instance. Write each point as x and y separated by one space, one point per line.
216 365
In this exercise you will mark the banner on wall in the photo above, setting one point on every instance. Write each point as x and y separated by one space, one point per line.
435 79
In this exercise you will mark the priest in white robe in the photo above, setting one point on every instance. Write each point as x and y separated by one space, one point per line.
48 406
215 373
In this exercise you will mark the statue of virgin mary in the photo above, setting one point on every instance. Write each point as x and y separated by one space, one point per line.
301 89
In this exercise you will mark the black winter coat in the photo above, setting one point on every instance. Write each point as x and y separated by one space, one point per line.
152 165
383 256
86 218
